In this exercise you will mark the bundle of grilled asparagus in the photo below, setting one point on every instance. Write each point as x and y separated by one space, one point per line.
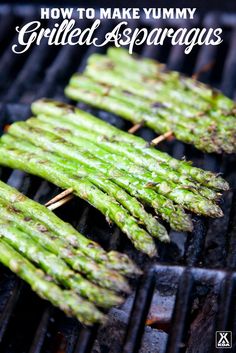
144 92
133 184
61 265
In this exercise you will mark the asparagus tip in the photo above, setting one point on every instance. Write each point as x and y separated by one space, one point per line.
185 225
151 252
219 183
164 237
213 210
224 184
123 263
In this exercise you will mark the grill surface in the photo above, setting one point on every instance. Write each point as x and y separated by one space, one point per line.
192 288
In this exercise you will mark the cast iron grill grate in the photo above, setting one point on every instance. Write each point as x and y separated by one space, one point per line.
191 291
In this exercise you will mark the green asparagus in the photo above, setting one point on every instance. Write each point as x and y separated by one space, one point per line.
66 300
53 265
97 273
152 68
177 193
113 211
166 99
178 219
160 120
88 121
92 141
48 225
214 127
173 214
130 203
182 101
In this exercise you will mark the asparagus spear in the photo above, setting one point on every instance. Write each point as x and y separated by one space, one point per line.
175 192
171 109
53 265
66 300
90 122
173 214
178 219
183 101
33 164
47 238
152 68
146 66
93 142
97 273
114 74
161 121
67 235
40 212
130 203
134 92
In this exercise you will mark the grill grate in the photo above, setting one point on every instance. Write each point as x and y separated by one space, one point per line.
189 271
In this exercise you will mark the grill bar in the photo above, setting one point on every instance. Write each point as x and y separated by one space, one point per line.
86 340
9 307
181 315
28 73
41 333
231 259
138 314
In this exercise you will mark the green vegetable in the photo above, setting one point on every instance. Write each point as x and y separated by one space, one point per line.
141 149
175 192
40 166
66 300
50 263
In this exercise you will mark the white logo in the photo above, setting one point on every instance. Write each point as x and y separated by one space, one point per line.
223 339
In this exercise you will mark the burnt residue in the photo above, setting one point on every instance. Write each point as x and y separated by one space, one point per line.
127 93
13 209
158 105
27 219
41 228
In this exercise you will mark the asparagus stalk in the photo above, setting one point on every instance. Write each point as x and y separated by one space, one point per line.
177 193
53 265
160 119
98 273
183 101
117 86
90 122
136 116
173 214
175 111
138 84
130 203
151 68
93 142
66 300
61 228
46 237
146 66
178 219
48 223
40 166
